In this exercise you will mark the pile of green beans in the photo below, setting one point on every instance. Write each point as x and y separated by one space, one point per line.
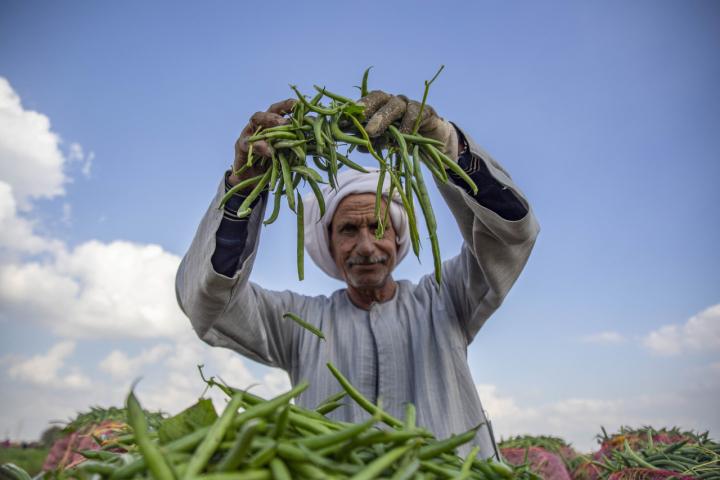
686 458
275 439
317 131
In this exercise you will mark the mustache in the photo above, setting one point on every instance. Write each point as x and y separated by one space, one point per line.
361 260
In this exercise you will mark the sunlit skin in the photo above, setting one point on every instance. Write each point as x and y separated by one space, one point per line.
365 261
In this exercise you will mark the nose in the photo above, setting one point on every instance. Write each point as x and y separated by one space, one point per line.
366 243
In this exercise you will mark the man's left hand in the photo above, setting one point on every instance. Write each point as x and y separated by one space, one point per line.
382 109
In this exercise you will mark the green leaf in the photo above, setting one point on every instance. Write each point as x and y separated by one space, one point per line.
193 418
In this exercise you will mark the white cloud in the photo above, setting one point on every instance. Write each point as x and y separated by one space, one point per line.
76 154
30 157
700 333
44 370
119 365
16 233
120 289
605 338
578 420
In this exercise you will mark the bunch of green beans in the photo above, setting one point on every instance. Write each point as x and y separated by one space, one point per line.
275 439
317 131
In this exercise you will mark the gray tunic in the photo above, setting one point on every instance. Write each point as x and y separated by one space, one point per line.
412 348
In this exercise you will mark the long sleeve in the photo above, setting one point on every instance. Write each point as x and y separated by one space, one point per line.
229 310
498 240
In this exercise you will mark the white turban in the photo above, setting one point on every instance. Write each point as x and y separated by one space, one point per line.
317 238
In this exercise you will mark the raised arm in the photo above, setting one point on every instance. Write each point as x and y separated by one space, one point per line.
499 230
212 283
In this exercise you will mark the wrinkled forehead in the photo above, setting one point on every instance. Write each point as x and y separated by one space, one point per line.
356 208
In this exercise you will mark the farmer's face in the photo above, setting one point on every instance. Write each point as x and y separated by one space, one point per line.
364 260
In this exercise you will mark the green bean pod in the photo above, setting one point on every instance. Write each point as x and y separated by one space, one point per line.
300 238
307 172
364 83
379 465
307 326
287 181
276 134
237 188
216 434
363 402
314 108
244 210
318 196
156 462
341 136
235 456
447 445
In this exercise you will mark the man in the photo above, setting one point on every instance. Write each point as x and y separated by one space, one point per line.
394 340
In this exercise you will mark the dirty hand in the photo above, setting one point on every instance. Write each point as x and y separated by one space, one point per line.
382 109
273 117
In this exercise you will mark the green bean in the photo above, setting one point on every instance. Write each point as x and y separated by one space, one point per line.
282 422
349 163
407 471
501 469
393 436
380 464
447 445
452 165
289 143
314 108
336 397
344 137
234 457
363 402
279 470
307 172
410 416
156 462
332 95
364 84
318 196
244 210
216 434
424 99
300 238
243 475
426 207
287 181
326 408
250 150
468 463
378 202
417 139
266 135
438 171
308 470
238 187
316 99
263 456
338 437
307 326
317 131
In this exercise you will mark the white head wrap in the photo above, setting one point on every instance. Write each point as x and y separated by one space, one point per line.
317 238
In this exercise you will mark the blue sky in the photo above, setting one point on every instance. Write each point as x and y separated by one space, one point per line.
606 114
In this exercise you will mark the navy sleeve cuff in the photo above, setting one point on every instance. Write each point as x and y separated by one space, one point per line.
491 193
231 236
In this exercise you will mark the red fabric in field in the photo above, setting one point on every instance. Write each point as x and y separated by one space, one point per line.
546 464
63 453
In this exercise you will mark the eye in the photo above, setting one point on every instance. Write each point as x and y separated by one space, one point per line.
348 229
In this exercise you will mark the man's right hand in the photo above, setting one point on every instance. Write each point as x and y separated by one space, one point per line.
273 117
